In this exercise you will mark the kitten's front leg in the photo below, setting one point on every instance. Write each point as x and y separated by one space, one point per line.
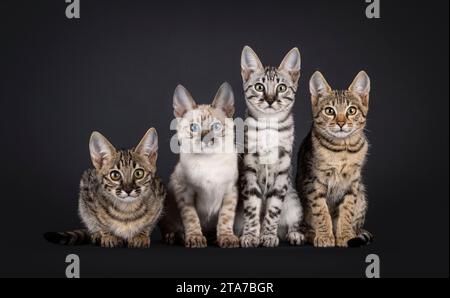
192 228
225 235
275 199
344 223
269 236
290 219
252 198
320 219
108 240
142 240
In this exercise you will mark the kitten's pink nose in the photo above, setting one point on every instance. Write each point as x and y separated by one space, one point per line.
206 135
340 120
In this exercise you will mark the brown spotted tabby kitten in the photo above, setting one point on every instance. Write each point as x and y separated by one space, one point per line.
330 162
121 199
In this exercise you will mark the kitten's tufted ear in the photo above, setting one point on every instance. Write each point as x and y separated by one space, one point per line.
182 101
318 87
225 99
250 63
148 146
361 87
101 150
292 64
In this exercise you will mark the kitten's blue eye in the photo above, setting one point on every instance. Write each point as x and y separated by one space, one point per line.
216 127
260 87
195 127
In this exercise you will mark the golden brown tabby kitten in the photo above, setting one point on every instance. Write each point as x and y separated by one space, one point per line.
330 162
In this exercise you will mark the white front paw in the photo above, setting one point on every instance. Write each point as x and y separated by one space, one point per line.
295 238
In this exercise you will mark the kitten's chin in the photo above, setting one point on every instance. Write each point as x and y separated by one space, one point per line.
128 199
271 111
208 151
341 134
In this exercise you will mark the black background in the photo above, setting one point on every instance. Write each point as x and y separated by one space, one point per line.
115 69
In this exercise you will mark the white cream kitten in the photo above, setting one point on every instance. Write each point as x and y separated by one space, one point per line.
203 191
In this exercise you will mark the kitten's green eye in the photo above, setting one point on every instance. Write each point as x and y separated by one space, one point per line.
282 88
115 175
195 127
260 87
139 174
216 127
352 111
330 112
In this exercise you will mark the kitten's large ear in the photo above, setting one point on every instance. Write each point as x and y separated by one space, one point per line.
318 87
148 146
225 99
361 87
182 102
101 150
250 63
292 64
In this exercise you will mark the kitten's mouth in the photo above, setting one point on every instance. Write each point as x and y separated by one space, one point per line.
268 110
271 109
209 147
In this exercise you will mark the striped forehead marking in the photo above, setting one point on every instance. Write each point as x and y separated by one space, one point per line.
125 159
271 73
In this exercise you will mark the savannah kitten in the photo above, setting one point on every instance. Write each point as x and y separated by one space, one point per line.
331 159
121 199
203 188
271 207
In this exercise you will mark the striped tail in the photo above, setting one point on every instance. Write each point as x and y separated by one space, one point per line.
75 237
364 238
